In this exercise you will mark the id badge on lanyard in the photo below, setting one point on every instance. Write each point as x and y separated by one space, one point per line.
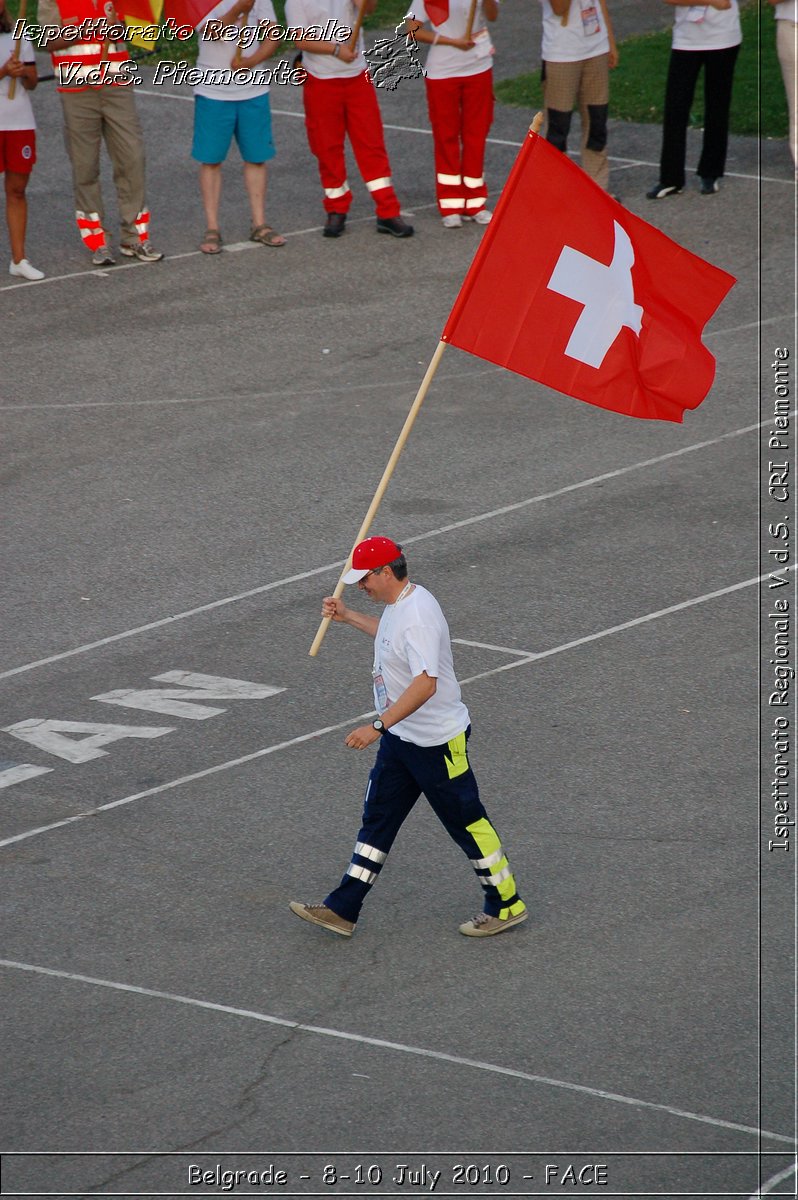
590 18
380 691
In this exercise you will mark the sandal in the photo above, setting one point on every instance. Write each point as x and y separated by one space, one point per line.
211 242
266 236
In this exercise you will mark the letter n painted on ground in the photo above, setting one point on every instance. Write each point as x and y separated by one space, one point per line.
175 701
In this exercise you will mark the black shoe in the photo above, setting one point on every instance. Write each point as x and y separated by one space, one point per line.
395 226
709 186
335 225
660 191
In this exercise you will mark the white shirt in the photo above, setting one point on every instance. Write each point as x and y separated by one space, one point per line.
16 113
217 54
318 12
583 36
787 11
413 637
447 62
702 27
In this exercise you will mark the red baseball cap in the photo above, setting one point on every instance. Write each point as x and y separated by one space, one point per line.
370 555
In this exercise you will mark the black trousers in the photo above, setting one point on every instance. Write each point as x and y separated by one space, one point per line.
683 73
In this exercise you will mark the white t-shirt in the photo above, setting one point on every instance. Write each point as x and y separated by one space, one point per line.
413 637
16 113
702 27
583 36
318 12
787 11
217 54
447 62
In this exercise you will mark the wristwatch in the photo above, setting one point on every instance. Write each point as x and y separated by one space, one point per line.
378 725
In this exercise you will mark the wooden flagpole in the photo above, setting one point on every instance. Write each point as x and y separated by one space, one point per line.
383 484
355 34
12 83
472 12
237 56
392 461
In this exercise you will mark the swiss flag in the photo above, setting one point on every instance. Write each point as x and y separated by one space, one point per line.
572 290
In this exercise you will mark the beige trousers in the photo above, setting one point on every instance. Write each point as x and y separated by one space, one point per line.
586 83
106 113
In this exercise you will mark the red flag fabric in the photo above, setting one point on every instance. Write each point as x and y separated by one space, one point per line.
571 289
437 11
188 12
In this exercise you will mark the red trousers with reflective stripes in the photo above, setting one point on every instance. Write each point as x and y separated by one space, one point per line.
461 114
333 109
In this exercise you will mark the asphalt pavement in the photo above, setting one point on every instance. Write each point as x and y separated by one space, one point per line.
188 451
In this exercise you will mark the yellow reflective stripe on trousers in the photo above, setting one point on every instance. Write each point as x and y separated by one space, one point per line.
487 839
456 756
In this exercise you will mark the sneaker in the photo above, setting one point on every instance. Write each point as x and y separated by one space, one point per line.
453 221
709 186
319 914
143 251
395 226
484 925
335 225
24 270
483 217
659 192
102 257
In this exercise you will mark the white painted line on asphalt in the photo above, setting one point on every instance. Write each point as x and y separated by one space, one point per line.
535 656
516 145
235 247
486 516
499 649
175 783
767 1188
332 390
400 1047
351 721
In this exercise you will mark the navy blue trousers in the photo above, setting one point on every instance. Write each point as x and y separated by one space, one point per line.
683 70
401 772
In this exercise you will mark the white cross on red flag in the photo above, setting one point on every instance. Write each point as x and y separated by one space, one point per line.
571 289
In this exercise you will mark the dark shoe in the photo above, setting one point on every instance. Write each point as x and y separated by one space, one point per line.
335 225
709 186
395 226
319 914
659 192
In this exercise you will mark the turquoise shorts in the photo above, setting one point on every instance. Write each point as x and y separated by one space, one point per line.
217 122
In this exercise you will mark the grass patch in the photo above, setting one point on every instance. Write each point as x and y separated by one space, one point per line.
637 86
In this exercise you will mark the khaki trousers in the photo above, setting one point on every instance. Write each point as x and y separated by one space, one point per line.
106 113
586 83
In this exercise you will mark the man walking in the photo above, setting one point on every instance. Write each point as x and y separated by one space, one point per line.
422 730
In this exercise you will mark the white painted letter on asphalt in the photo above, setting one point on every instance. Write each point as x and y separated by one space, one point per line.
174 702
11 773
49 736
